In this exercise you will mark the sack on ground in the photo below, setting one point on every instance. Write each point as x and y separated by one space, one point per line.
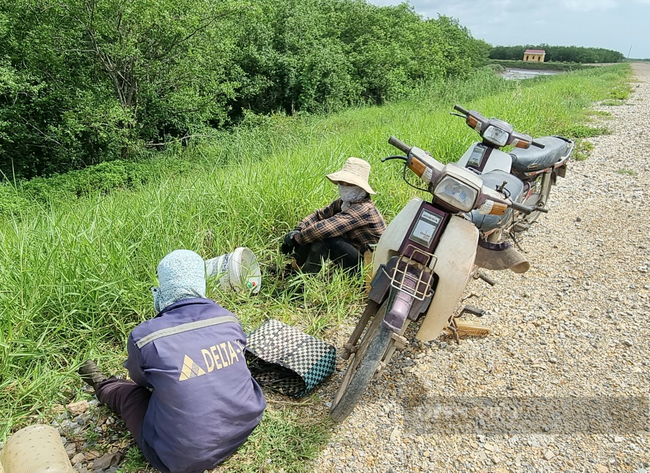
283 358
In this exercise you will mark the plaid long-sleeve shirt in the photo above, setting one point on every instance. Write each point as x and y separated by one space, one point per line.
361 224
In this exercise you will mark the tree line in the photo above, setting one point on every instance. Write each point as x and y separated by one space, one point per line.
559 53
87 81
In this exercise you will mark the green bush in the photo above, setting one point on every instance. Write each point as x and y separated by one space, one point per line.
577 54
12 201
99 179
83 83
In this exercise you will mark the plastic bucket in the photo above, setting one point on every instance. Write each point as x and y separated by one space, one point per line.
35 449
237 271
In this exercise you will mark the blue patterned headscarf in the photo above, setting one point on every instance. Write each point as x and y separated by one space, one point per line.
181 275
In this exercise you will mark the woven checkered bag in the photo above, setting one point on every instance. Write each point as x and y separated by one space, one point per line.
283 358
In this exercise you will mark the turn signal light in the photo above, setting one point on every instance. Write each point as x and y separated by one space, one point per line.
489 207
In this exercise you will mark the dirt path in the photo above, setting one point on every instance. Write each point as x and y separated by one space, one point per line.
562 382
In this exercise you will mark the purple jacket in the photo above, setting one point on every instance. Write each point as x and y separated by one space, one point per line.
204 402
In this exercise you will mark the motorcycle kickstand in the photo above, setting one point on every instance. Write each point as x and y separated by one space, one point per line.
516 242
481 275
452 327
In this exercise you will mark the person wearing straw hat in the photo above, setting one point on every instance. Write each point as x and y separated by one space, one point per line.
192 400
342 231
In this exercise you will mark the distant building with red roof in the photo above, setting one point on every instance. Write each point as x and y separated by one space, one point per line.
535 55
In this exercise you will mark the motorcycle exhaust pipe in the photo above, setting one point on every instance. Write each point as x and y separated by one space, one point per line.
500 256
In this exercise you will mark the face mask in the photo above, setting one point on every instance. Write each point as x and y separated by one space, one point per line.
351 193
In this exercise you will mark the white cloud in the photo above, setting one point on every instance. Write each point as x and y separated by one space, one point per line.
589 5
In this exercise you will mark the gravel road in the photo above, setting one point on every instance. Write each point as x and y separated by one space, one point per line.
561 383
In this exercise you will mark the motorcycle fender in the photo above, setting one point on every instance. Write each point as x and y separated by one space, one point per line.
455 254
392 238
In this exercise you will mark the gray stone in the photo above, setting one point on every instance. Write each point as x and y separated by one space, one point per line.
71 449
78 458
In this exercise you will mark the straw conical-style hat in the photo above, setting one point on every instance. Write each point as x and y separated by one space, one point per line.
355 171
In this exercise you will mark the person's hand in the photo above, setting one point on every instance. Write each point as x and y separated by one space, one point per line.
288 243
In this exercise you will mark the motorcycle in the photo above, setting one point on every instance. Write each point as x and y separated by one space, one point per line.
427 255
526 175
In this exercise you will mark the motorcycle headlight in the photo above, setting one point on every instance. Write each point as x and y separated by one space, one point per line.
496 135
456 194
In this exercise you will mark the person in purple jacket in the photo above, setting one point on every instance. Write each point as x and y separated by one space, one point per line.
192 401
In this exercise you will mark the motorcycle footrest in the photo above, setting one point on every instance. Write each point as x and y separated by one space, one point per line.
470 309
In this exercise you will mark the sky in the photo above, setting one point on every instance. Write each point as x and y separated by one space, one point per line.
621 25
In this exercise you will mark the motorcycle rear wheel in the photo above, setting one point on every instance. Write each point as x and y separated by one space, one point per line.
362 367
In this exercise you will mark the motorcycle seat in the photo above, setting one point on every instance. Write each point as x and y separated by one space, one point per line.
536 159
494 180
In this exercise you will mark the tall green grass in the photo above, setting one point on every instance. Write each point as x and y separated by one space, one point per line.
75 273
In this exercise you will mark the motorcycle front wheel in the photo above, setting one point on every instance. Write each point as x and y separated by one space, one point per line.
362 367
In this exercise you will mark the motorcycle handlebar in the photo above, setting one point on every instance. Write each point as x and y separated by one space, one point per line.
525 209
537 144
399 144
461 110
